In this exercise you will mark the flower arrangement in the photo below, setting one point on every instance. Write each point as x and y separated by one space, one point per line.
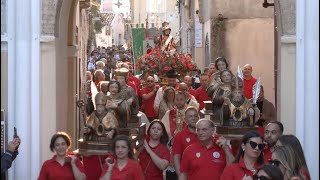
159 62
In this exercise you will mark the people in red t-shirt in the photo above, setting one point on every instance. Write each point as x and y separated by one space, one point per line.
123 166
273 131
155 156
248 81
148 95
93 166
134 79
206 158
201 94
62 165
248 159
185 137
188 80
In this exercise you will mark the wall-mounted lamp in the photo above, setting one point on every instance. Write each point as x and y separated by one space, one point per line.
266 4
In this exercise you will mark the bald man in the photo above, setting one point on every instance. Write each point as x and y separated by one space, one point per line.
191 100
188 80
248 81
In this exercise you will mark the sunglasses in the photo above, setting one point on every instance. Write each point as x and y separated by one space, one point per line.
274 162
256 177
254 145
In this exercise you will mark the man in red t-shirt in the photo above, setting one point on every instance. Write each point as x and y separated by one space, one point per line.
206 158
148 95
188 80
273 131
248 81
201 93
185 137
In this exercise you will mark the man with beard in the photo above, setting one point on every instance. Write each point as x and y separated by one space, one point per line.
273 131
174 122
185 137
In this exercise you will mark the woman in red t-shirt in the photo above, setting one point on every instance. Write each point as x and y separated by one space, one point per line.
155 156
62 165
248 160
123 166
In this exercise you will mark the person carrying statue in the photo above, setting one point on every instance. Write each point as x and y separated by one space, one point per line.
237 110
102 124
166 41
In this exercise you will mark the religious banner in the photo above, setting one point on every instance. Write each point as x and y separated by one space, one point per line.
138 35
139 44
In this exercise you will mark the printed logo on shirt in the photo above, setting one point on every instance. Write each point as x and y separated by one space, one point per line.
198 154
188 140
216 154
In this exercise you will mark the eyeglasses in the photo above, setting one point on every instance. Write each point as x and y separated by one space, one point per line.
254 145
274 162
256 177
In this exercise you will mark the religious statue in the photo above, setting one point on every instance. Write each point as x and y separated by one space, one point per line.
118 104
223 90
237 110
102 124
166 41
128 93
220 64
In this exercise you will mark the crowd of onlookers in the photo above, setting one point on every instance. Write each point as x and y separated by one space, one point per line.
180 143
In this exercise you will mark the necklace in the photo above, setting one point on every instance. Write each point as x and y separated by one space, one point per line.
253 170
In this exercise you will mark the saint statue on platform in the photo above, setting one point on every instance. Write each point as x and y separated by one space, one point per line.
237 110
102 124
166 41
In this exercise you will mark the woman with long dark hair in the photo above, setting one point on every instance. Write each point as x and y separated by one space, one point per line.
123 166
268 172
155 156
248 159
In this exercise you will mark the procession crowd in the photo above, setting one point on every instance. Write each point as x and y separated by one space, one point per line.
181 143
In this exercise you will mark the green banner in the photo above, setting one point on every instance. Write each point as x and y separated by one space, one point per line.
138 36
139 44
